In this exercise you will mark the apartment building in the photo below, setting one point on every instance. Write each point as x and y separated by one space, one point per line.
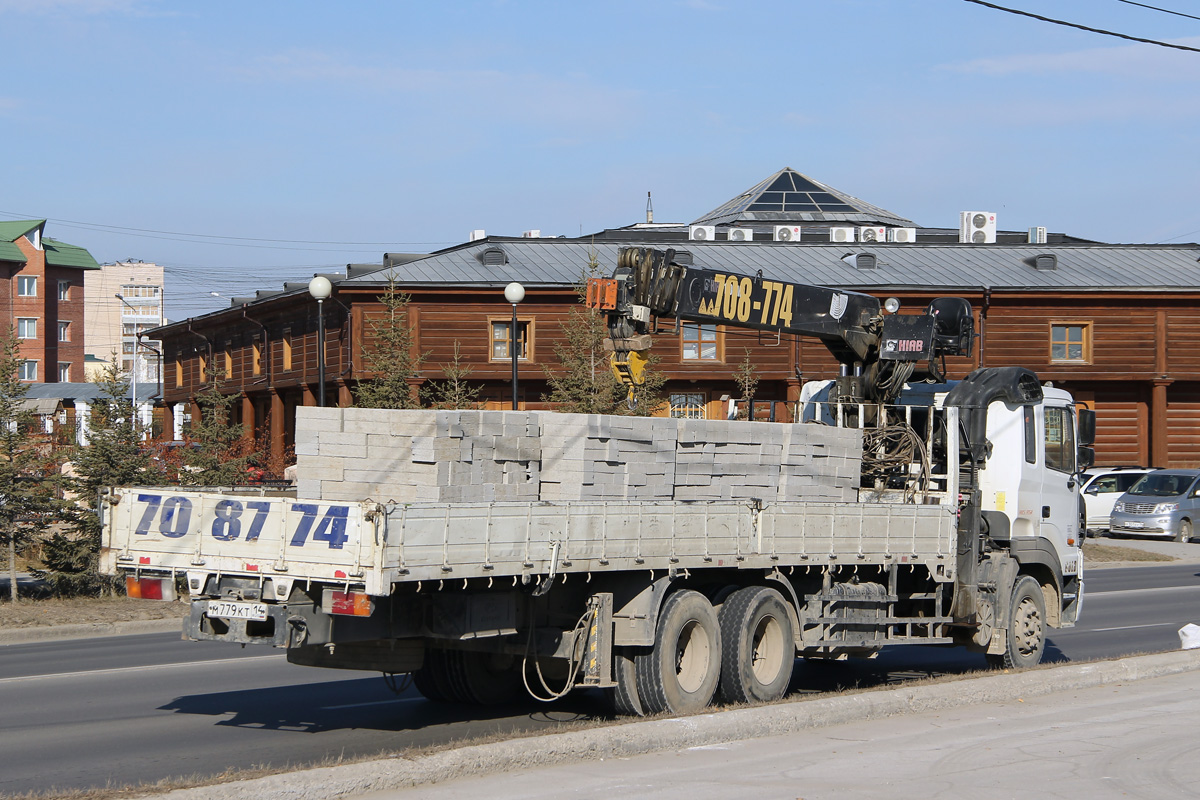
124 299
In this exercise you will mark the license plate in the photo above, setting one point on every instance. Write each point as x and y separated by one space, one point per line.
227 609
1135 524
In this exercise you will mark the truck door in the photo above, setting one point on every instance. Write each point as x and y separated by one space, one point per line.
1059 509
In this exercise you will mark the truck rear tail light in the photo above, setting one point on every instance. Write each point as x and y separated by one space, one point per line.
351 604
150 588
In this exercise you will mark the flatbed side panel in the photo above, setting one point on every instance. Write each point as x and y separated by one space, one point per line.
442 542
166 529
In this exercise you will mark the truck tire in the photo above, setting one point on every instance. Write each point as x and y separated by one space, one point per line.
758 650
486 679
1026 640
623 698
431 679
679 674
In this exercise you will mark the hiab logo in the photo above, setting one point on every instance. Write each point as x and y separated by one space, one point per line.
837 305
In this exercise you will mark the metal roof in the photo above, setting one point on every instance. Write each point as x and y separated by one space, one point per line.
61 254
1091 267
789 197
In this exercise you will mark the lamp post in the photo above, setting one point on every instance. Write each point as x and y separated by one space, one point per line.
137 417
514 293
320 288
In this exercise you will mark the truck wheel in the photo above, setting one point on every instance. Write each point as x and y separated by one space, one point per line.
679 673
1185 531
1026 627
431 679
487 679
757 646
623 698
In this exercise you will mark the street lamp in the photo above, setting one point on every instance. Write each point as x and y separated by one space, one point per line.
514 293
136 414
320 288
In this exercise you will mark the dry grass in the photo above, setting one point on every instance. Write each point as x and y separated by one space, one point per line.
1096 553
27 613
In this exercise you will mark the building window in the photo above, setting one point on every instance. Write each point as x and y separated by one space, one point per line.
26 286
228 360
64 290
687 405
700 342
29 370
501 333
64 331
64 372
256 354
1071 342
178 371
26 328
287 350
203 362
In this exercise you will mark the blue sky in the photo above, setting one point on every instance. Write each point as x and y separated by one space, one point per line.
391 126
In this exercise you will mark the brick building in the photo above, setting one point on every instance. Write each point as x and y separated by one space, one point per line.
43 299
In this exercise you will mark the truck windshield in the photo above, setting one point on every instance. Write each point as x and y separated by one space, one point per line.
1156 485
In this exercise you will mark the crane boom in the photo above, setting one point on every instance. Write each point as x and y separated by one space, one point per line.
885 348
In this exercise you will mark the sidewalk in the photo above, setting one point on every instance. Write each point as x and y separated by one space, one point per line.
1135 739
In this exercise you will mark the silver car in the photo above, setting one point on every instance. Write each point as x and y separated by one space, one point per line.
1163 503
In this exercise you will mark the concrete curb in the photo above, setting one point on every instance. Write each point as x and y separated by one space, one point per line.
51 633
638 738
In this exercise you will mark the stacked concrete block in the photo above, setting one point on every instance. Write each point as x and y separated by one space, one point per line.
483 456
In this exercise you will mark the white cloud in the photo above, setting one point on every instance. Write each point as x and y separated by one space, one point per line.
1132 60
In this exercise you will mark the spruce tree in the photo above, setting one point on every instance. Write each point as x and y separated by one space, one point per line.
389 354
454 390
115 454
27 493
217 451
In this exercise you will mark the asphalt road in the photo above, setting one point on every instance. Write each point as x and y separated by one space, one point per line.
121 710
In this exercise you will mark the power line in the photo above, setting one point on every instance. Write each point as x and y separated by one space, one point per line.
1083 27
1156 8
101 227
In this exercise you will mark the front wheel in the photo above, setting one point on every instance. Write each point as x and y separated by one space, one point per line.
1184 534
1026 640
679 673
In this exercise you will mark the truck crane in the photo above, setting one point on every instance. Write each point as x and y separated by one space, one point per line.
879 352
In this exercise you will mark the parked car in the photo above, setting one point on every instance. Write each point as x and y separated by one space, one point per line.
1163 503
1101 488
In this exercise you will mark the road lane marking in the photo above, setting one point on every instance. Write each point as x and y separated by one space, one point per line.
147 667
1132 627
375 703
1089 593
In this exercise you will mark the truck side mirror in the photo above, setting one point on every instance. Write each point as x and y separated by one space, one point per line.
1086 457
1087 427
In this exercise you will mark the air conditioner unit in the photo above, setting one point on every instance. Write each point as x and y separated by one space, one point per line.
841 234
702 233
902 235
1037 235
477 234
787 233
872 234
977 227
741 235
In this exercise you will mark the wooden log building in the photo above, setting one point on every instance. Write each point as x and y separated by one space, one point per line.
1112 323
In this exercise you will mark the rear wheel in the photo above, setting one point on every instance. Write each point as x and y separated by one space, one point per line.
757 644
487 679
1026 640
432 680
1184 534
624 697
679 673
